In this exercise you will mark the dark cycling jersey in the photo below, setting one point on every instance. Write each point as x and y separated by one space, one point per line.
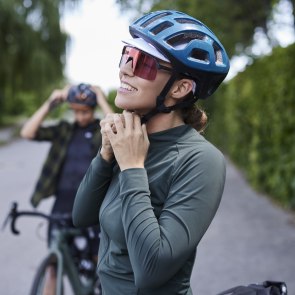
153 219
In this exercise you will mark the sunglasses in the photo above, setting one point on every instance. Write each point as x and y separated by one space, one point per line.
143 65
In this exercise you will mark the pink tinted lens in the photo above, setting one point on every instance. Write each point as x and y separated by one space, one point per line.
143 65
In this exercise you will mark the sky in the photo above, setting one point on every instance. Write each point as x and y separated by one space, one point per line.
97 27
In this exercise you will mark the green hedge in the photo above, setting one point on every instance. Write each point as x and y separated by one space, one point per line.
253 121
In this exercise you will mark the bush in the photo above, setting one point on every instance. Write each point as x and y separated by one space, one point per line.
253 122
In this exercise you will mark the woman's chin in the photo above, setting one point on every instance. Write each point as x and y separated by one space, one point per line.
121 103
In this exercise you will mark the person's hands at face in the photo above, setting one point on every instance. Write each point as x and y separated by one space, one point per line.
128 139
99 93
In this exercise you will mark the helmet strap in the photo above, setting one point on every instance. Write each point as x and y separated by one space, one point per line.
160 105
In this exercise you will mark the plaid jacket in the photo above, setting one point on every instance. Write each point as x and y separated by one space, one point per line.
59 135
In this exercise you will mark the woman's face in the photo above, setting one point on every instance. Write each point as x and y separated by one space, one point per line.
138 94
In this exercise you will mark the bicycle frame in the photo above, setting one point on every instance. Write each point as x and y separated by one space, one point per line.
65 264
58 252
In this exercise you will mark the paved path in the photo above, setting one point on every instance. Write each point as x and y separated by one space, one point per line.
250 240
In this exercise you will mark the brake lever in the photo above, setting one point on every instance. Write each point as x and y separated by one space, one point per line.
6 220
13 228
11 215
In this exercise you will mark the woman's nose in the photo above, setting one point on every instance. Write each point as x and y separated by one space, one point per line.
126 68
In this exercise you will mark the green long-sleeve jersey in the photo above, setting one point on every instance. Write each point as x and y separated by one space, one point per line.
152 219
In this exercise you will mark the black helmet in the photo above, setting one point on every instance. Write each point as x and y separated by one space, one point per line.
82 94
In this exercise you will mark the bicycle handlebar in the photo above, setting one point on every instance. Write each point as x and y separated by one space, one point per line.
62 219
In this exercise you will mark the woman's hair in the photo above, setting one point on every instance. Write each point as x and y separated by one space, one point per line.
194 116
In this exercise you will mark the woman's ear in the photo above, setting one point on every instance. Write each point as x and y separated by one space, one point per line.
182 87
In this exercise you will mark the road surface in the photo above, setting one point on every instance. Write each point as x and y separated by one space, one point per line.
249 241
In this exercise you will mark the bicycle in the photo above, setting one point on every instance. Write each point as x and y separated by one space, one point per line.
81 270
67 253
264 288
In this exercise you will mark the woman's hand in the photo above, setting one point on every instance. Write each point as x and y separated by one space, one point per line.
106 151
128 140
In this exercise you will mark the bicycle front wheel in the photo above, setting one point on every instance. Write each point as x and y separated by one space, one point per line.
45 278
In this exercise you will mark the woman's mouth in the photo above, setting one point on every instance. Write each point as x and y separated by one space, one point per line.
127 87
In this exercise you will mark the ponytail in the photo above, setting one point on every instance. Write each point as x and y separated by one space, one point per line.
194 115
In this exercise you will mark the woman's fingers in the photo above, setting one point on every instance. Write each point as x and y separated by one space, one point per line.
127 138
145 134
137 122
108 130
110 118
118 123
105 124
128 117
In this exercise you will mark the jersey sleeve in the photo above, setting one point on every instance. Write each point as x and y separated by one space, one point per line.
48 133
91 193
159 247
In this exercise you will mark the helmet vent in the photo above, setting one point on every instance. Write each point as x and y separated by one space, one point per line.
188 21
200 55
153 19
218 54
183 39
161 27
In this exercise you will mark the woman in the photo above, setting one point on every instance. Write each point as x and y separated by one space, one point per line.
156 183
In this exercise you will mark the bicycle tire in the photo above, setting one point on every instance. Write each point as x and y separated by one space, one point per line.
38 282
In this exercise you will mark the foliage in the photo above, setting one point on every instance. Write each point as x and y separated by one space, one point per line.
253 122
234 22
32 52
111 99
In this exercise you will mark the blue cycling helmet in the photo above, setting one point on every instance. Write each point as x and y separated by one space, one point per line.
192 48
82 94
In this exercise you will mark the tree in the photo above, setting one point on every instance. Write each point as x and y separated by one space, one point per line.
234 22
32 53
